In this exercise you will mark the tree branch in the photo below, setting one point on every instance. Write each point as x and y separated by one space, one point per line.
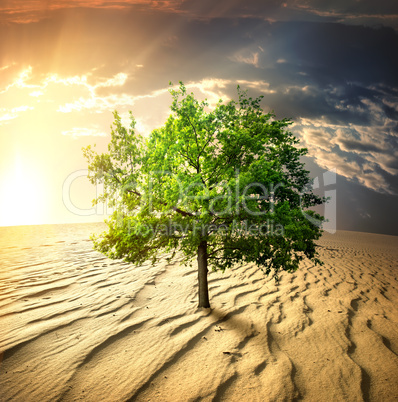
190 162
198 170
221 258
178 210
222 248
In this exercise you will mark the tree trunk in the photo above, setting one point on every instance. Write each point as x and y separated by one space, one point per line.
202 275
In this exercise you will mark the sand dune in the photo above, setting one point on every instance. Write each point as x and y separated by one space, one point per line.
77 326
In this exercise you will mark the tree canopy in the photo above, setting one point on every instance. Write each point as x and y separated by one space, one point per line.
225 185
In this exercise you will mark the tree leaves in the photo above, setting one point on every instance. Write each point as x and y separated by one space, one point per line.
230 177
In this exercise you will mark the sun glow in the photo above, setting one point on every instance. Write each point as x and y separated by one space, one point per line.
22 196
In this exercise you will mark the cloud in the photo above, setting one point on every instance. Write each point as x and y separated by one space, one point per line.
55 88
350 11
251 58
30 11
118 80
356 137
3 68
318 138
357 146
36 93
360 153
347 12
20 81
212 89
10 114
6 116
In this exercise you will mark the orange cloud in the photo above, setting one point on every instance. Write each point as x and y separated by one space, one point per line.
29 11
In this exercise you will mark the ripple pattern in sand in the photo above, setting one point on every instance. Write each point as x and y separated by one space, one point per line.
78 326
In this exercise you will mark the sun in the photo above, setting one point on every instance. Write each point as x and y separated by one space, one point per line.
22 196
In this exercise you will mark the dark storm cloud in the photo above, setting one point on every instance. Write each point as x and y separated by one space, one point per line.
352 145
334 53
352 11
366 12
327 53
333 78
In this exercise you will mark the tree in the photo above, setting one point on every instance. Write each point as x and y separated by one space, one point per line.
225 185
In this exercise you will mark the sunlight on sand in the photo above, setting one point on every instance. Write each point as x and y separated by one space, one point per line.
75 325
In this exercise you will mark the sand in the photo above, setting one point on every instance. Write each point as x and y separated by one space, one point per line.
77 326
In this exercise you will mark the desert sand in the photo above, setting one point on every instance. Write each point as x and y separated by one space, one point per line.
75 325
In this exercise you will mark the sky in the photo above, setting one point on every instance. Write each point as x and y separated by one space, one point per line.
66 65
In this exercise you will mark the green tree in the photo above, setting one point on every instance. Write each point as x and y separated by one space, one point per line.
225 186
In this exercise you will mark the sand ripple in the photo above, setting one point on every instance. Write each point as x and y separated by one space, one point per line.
75 325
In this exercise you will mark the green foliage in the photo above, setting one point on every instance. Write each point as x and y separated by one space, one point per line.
230 177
